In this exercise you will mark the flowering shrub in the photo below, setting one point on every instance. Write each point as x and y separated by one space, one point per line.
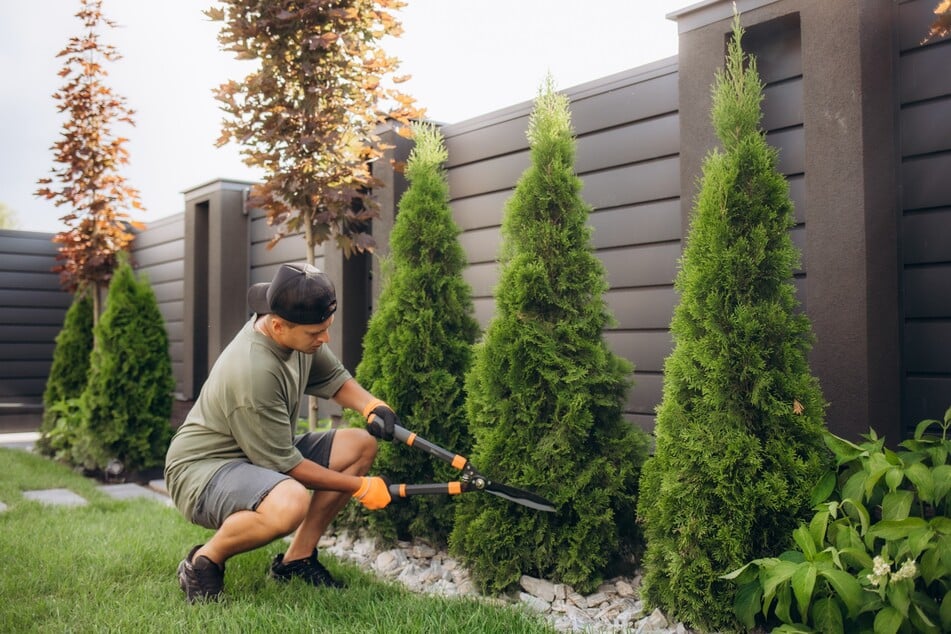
876 556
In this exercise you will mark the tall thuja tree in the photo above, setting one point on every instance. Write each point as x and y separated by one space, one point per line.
69 371
738 432
545 392
418 346
90 156
128 400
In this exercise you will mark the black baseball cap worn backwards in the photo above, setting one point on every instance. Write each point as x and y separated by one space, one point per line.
299 293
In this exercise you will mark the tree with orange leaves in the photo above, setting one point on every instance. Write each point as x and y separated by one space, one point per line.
89 157
942 23
309 114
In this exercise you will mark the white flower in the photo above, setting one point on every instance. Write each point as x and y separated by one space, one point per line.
880 570
880 567
908 570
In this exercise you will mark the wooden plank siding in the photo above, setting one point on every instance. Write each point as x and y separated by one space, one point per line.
925 124
628 138
158 255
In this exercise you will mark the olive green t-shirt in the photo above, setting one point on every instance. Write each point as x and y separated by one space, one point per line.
247 410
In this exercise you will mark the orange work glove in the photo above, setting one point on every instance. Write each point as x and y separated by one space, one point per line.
374 493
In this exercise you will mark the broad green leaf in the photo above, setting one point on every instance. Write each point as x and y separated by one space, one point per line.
784 603
860 512
792 628
854 487
924 620
932 567
899 596
941 525
827 616
922 478
847 588
894 477
896 529
823 489
803 583
945 612
941 477
923 426
888 620
859 557
897 504
843 449
771 577
748 600
803 539
877 467
918 541
818 527
736 573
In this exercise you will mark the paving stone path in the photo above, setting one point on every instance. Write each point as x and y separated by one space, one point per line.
65 497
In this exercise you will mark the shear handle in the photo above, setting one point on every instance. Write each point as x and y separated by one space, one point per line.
445 488
412 440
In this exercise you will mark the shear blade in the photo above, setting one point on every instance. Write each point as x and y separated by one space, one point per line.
525 498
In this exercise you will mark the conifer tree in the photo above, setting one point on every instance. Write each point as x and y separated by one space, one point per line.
128 400
70 368
545 392
738 431
418 345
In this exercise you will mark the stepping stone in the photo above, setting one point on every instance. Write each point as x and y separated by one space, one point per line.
55 497
3 507
128 491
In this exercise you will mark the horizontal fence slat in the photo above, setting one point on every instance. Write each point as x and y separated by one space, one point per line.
647 350
925 237
650 265
32 316
925 181
927 292
928 348
636 224
25 298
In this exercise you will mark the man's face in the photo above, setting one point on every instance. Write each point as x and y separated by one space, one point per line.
306 338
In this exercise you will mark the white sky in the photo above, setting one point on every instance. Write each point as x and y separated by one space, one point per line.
466 57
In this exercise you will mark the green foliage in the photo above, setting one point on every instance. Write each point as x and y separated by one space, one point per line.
876 556
739 428
67 377
418 345
545 392
128 399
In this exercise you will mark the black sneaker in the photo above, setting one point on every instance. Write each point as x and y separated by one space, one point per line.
310 570
201 579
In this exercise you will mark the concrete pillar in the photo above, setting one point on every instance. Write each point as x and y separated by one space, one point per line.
217 248
849 57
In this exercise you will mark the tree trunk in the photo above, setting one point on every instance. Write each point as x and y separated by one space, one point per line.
311 400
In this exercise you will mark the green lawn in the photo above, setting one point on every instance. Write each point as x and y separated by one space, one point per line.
110 566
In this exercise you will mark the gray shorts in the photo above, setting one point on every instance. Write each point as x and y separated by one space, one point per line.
241 486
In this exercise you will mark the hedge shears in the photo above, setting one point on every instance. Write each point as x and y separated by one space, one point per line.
469 480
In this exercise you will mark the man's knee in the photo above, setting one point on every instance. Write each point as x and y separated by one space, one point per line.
354 448
285 506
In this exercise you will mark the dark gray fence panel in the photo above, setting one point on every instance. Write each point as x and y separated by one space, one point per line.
158 253
32 309
925 118
628 137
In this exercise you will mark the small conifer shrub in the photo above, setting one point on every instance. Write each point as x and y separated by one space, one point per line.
68 374
545 392
128 400
418 345
739 428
